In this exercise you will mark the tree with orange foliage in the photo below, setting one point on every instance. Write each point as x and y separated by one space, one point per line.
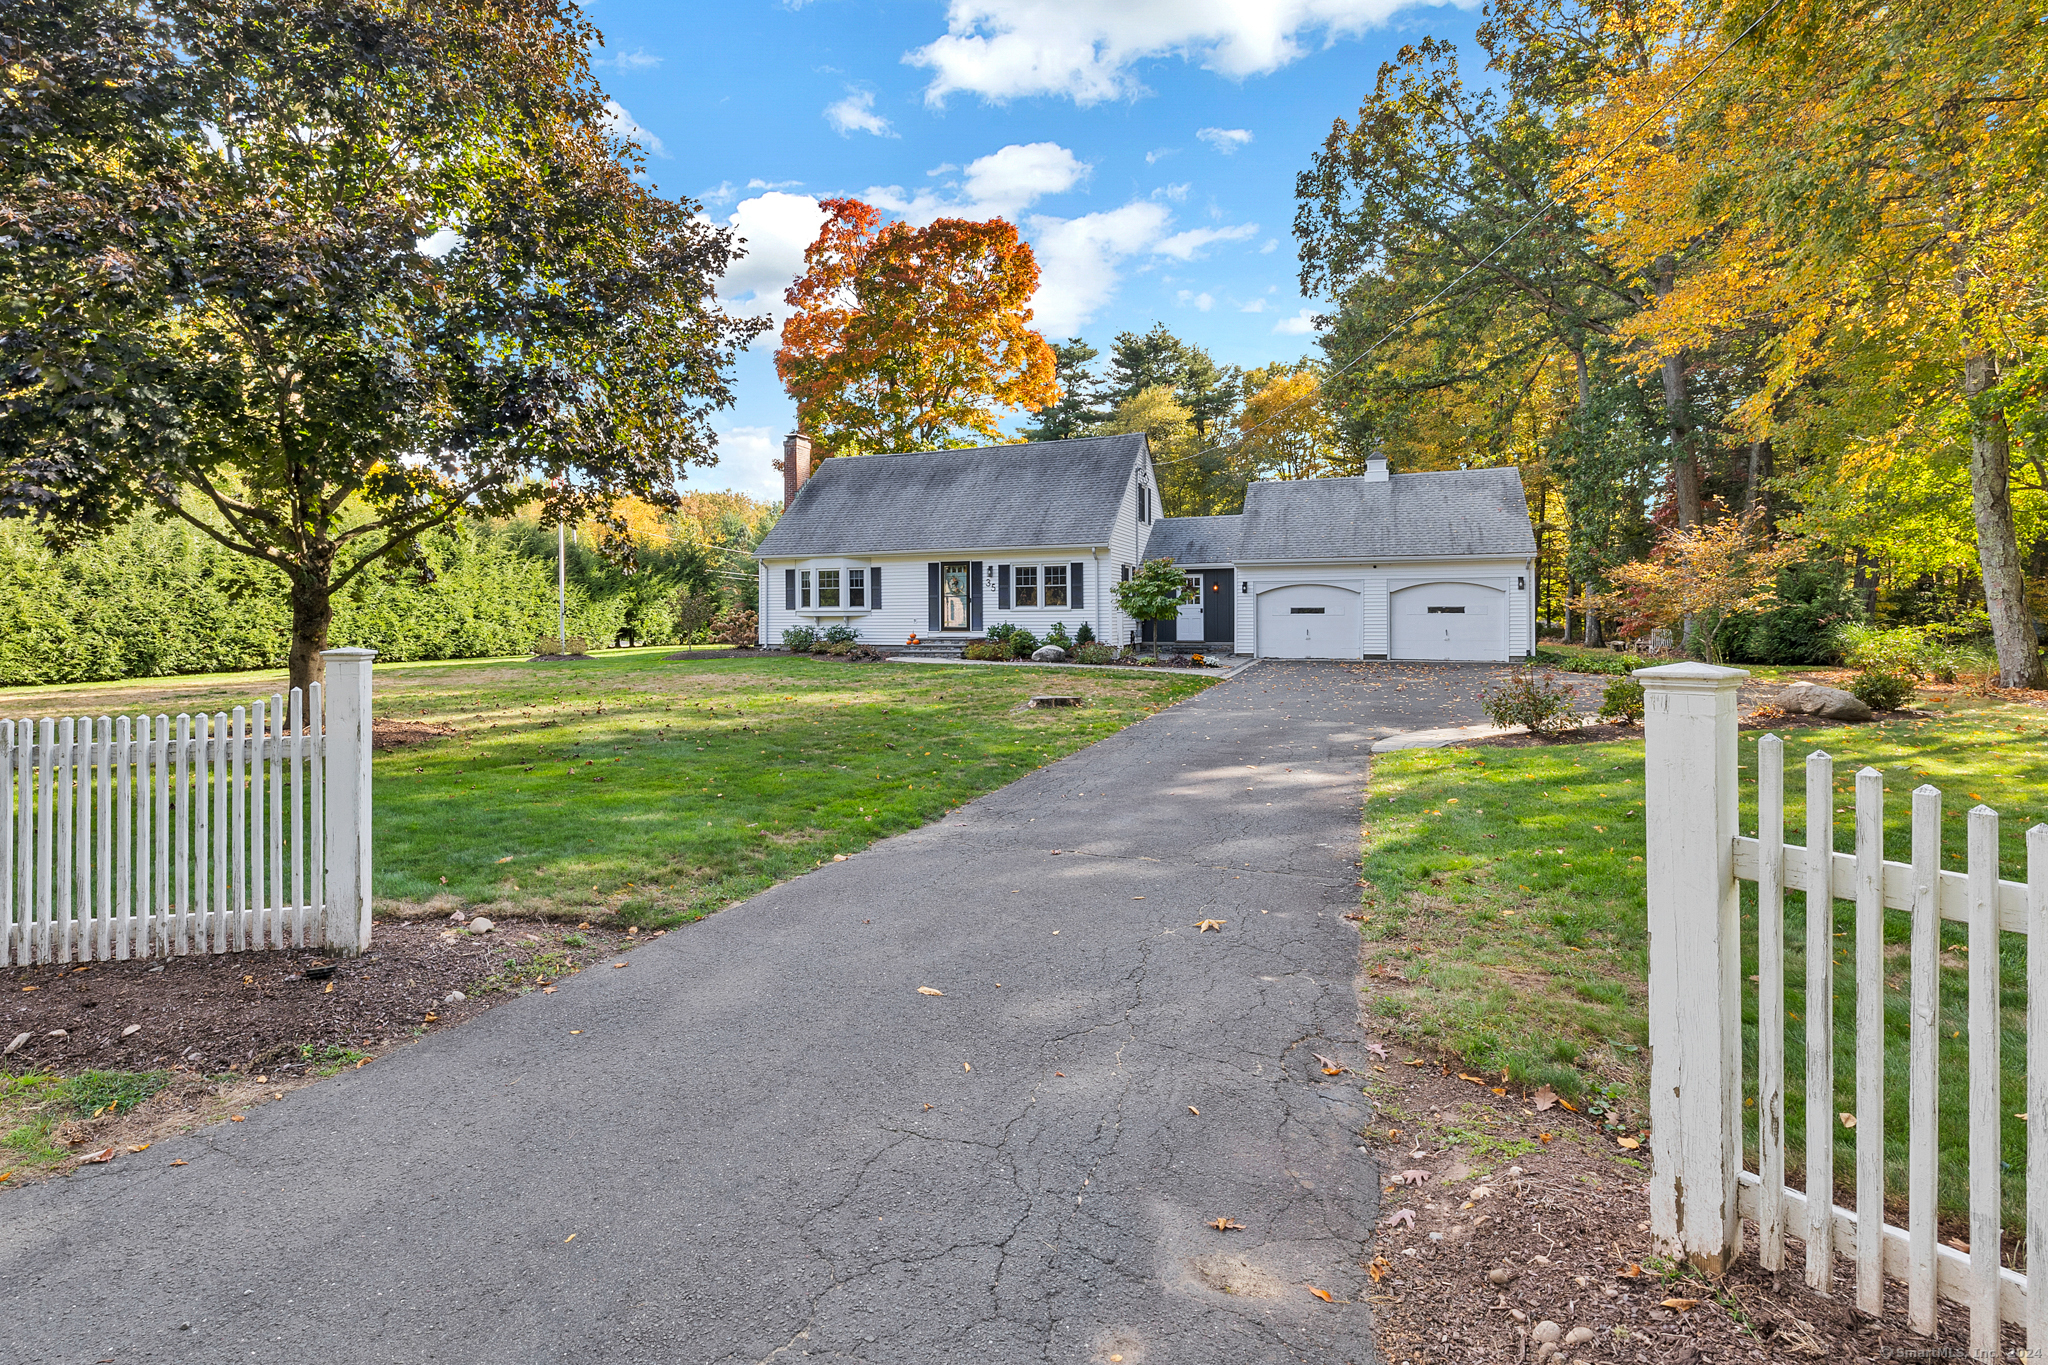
1698 577
911 338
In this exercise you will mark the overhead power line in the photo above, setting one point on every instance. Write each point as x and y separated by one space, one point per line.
1549 202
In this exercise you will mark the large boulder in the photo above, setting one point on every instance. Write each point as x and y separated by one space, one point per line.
1830 703
1048 654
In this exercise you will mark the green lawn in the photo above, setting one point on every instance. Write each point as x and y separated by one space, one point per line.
658 790
1506 886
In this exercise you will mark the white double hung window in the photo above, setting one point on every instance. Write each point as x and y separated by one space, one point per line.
856 587
1055 585
828 587
803 584
1024 585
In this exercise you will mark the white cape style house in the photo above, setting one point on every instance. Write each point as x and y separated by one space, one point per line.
942 544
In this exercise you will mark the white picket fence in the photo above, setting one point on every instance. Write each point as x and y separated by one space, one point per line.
1696 857
143 837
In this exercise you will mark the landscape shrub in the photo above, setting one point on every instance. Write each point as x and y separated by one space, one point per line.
841 634
1058 636
1908 650
1093 652
555 646
990 649
736 627
1609 665
838 649
1084 636
1622 701
1882 689
799 639
1799 624
1539 703
1023 642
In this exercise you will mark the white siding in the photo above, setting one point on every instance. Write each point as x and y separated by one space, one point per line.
1376 581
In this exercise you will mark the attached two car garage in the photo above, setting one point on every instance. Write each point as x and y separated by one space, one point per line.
1450 620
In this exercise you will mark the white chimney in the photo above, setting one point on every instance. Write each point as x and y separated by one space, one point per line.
1376 469
796 465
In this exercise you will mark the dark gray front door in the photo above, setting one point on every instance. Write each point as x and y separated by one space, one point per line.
1219 606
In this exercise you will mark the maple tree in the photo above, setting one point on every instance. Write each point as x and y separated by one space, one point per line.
907 338
1698 577
318 276
1288 431
1154 592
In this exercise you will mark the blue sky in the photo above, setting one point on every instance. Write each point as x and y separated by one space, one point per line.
1146 149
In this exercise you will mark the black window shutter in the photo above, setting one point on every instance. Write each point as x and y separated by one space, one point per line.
1074 587
935 595
789 589
974 595
1002 587
875 588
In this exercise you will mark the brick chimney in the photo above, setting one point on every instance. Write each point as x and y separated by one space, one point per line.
796 465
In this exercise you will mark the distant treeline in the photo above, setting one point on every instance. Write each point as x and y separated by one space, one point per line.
156 598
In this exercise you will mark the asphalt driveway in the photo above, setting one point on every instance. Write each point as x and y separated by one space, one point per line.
760 1142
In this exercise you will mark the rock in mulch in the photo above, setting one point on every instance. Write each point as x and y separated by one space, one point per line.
1830 703
1048 654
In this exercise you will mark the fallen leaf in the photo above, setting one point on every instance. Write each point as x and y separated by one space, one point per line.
1379 1268
1567 1104
1545 1137
1631 1271
928 990
1414 1061
1322 1294
181 1162
1476 1080
1196 1112
131 1030
1848 1120
1333 1071
1331 1066
1544 1098
236 1118
1205 925
1224 1225
547 990
1378 1050
430 1018
617 965
1401 1218
1680 1305
570 1238
329 990
1412 1177
1500 1090
965 1067
101 1157
1627 1144
138 1147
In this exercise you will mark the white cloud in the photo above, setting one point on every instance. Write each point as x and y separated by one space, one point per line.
746 463
856 114
777 227
1078 260
442 242
943 168
1301 324
1185 246
1000 185
721 193
626 126
1153 157
1086 50
1224 140
1203 302
1272 245
637 60
1177 193
1255 306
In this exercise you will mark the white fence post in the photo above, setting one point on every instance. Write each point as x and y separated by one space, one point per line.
1689 820
346 929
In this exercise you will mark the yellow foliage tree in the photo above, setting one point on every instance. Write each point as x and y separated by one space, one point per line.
1288 431
1858 186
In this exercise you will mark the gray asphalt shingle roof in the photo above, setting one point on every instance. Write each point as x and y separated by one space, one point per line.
1044 493
1447 514
1195 540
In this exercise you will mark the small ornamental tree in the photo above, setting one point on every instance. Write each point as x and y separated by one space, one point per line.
1153 594
317 276
1699 576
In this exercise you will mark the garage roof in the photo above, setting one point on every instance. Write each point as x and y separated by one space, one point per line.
1049 493
1448 514
1194 540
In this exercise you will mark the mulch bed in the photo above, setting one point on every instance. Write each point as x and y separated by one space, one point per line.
691 655
243 1011
1508 1247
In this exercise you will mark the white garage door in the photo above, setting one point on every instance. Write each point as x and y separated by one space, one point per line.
1308 621
1449 621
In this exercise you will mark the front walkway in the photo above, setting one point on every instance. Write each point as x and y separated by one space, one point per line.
761 1142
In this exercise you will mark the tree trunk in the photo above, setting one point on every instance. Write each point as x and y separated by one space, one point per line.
1866 586
1753 498
1685 464
1998 546
312 613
